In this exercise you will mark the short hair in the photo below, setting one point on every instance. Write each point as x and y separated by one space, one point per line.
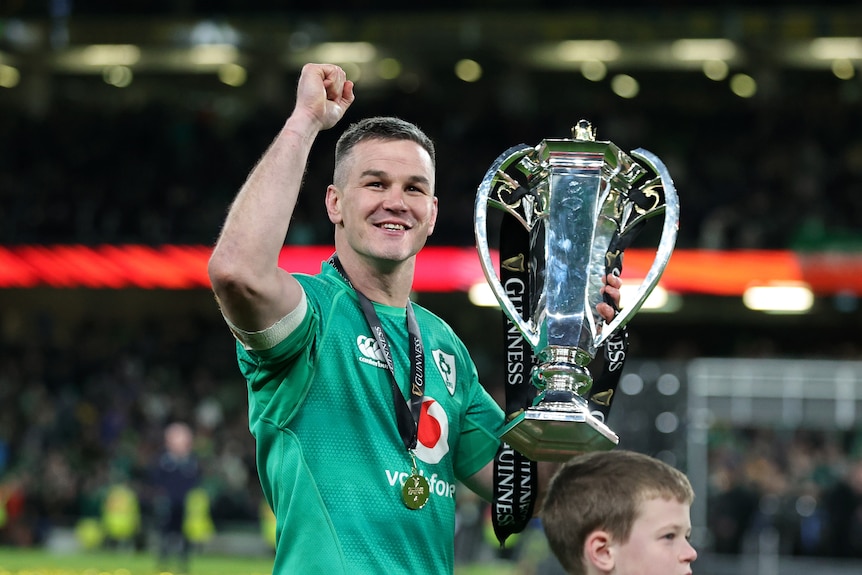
379 128
604 490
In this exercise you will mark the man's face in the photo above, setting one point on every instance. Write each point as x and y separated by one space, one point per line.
658 543
386 208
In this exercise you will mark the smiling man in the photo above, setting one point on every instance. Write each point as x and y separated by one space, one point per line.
366 408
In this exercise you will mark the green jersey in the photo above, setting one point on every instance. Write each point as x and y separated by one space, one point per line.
330 458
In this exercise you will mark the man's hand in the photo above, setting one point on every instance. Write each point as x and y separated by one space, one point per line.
324 93
612 290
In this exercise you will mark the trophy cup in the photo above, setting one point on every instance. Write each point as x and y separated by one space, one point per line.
577 200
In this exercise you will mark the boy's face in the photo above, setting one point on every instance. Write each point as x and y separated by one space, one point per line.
658 544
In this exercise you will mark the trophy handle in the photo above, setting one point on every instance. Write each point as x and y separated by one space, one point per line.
663 252
496 175
480 222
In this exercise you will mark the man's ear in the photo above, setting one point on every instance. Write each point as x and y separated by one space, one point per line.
333 204
598 551
433 215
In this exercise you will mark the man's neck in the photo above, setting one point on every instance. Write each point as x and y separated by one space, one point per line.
389 286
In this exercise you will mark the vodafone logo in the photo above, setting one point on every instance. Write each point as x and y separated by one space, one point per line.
433 433
432 445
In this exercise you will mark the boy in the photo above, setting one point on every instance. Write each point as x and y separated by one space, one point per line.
619 512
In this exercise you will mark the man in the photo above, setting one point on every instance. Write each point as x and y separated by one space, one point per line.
619 513
341 366
175 473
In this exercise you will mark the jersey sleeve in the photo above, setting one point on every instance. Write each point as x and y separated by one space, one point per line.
278 378
483 423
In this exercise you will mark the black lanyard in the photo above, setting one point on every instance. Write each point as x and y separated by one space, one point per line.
407 416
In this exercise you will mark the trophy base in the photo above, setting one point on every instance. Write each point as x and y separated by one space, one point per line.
549 435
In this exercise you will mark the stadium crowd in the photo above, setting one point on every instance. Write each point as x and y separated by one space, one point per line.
802 488
773 173
84 410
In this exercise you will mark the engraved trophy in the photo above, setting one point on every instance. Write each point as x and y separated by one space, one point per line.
575 199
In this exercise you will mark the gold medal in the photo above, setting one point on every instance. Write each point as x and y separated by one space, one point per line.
415 491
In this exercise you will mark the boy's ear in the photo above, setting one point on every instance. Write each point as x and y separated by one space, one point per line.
598 552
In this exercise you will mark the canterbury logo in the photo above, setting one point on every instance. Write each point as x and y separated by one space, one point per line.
370 350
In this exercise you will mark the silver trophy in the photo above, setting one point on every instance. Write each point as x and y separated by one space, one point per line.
574 197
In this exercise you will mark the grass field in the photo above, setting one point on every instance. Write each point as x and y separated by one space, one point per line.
36 562
14 561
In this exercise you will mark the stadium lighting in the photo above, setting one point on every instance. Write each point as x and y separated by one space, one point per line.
703 49
110 55
836 48
481 295
341 53
9 76
659 300
588 50
779 297
213 54
695 272
468 70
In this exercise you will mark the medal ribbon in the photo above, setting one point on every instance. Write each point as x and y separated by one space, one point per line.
515 475
406 412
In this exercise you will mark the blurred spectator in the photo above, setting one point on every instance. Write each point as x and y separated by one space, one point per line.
844 509
14 529
174 475
121 516
731 507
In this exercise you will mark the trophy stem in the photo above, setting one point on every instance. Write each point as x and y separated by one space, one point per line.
563 369
559 425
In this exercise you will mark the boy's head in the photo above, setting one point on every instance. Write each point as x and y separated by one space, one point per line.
619 512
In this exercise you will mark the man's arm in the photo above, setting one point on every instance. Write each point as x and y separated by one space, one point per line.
253 292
